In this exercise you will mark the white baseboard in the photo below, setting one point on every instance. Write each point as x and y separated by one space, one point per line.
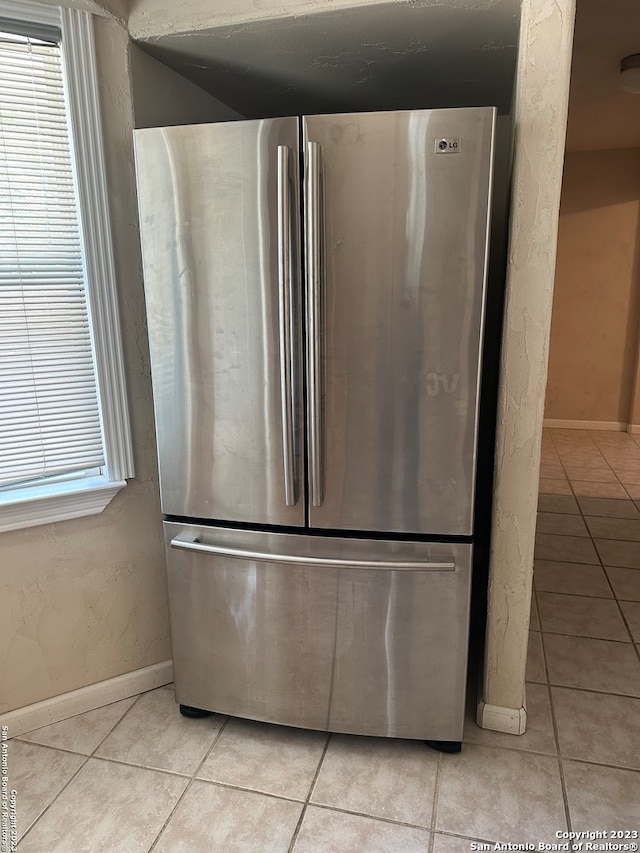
512 721
633 429
552 423
31 717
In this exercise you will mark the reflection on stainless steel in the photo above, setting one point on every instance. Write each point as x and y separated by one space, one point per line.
315 325
286 322
364 650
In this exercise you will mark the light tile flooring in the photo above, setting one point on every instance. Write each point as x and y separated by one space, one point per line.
136 776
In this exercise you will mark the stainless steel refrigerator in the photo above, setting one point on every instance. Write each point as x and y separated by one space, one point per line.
315 292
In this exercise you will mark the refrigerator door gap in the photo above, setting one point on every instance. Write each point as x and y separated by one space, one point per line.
374 535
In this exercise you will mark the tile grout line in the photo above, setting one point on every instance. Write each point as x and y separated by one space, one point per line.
627 626
517 749
554 724
607 464
314 781
307 801
595 548
117 723
581 689
592 690
592 763
369 816
229 787
124 763
613 592
521 750
601 561
564 467
223 725
190 782
86 757
615 474
91 754
46 809
450 834
583 516
585 636
434 806
588 534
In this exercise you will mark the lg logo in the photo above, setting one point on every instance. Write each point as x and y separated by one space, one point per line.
449 145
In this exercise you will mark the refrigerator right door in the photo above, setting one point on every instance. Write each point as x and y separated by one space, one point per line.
397 218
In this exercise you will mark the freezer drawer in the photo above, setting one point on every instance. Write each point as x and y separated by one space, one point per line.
357 636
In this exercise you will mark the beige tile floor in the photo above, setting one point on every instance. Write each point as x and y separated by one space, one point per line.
136 776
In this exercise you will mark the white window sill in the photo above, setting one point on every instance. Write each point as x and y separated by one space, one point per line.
49 502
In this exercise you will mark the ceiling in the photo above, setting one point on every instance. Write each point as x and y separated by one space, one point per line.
402 54
601 115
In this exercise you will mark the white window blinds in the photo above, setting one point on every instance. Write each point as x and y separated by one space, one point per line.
49 413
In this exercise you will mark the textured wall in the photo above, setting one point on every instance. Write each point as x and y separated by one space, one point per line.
540 121
594 329
107 8
161 97
148 18
85 600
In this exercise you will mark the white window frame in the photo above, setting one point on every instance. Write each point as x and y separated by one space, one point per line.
45 502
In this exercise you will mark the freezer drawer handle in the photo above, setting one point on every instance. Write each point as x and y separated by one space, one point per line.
400 566
315 301
285 320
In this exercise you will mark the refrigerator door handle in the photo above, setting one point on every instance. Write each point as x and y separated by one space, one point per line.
315 271
285 321
187 544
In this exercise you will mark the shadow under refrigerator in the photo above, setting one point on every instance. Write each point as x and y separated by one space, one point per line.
315 298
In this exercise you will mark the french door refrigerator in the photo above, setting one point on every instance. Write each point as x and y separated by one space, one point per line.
315 291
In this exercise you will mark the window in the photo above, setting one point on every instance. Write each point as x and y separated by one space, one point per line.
65 448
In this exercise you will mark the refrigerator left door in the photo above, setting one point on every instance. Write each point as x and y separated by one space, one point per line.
218 207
